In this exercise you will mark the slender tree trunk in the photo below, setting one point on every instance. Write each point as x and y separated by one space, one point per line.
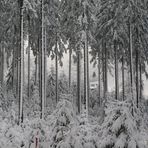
140 82
85 77
42 63
99 76
18 64
40 58
28 58
116 72
37 62
45 67
86 72
18 52
105 66
2 65
14 63
137 77
78 80
36 69
56 65
70 52
131 64
103 69
14 71
123 91
88 86
3 54
23 68
18 72
131 57
137 68
21 65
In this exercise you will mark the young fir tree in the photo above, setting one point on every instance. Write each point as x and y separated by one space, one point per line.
121 128
62 120
67 131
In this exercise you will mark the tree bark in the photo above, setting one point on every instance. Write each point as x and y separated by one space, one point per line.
78 81
37 62
103 70
18 68
105 66
45 67
85 77
86 73
137 78
123 90
21 79
36 68
42 63
18 53
131 65
2 65
140 82
56 65
131 57
14 71
137 68
87 56
70 53
116 71
28 58
99 76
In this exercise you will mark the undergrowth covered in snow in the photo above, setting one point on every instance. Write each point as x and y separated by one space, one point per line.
123 127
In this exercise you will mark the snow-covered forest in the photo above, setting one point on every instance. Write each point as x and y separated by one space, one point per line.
40 107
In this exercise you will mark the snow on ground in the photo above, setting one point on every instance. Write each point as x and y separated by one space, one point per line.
65 129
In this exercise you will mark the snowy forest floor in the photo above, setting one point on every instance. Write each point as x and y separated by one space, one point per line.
63 128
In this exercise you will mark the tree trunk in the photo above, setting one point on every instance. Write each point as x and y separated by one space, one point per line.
137 77
36 68
28 58
86 73
123 91
45 67
15 63
56 65
131 64
99 76
70 53
85 77
14 71
105 67
37 62
116 71
21 65
131 57
103 70
87 56
42 63
140 82
18 63
2 65
78 81
137 68
18 52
